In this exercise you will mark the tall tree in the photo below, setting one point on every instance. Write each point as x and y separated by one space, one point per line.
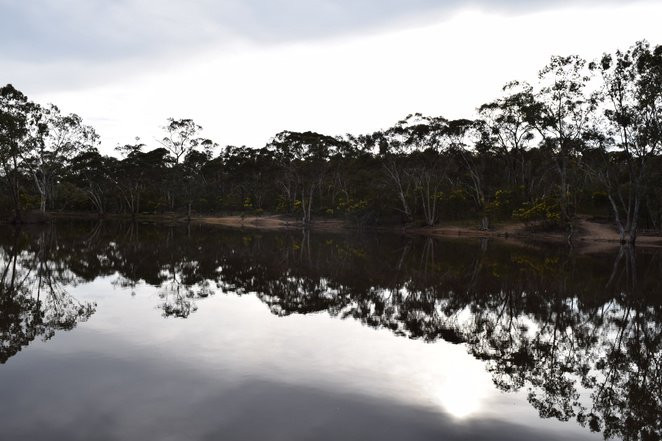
304 159
394 162
561 117
508 131
138 173
20 130
467 144
90 171
193 177
631 133
62 138
182 137
413 156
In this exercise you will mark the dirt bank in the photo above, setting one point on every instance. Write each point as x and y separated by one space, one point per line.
589 234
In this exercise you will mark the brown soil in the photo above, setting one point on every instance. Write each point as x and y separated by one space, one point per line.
266 222
269 222
589 235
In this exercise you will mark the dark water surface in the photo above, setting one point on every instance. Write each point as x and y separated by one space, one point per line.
138 332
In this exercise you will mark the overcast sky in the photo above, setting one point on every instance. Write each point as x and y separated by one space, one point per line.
247 69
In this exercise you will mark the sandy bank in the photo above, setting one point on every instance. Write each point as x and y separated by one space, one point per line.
589 234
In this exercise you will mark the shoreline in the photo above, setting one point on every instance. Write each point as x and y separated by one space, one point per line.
589 234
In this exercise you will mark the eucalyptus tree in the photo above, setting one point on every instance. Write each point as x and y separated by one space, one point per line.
472 152
352 188
91 172
630 135
414 158
193 178
424 138
394 159
251 175
20 131
304 161
561 115
182 137
128 176
139 173
62 138
507 130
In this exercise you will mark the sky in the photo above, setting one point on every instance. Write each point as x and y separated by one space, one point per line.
248 69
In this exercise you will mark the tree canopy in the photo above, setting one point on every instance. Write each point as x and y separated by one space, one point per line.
584 139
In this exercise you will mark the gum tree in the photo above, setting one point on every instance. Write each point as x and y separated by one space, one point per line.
62 138
20 130
630 133
561 116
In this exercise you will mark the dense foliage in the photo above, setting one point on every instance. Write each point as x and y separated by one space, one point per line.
585 139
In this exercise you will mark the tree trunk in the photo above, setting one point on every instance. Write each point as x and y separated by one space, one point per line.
635 217
306 205
42 202
393 173
15 192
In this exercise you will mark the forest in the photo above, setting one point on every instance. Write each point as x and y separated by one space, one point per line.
584 139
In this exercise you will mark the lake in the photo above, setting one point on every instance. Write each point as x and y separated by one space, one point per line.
120 331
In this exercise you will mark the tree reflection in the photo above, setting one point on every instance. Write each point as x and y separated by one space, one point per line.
34 301
581 334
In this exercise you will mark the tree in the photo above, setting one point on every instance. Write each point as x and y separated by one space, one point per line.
561 116
135 174
252 175
63 137
20 130
475 161
413 157
91 172
508 131
182 138
304 161
393 159
193 178
631 131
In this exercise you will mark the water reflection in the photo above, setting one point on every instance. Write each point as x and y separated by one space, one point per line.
580 333
34 301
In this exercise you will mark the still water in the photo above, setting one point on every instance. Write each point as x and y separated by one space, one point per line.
139 332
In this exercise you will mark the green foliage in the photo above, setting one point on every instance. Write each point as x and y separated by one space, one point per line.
503 203
350 206
545 210
282 205
71 197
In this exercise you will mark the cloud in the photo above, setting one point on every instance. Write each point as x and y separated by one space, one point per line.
246 69
352 84
50 45
44 31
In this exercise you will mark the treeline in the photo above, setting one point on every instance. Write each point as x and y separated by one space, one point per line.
584 139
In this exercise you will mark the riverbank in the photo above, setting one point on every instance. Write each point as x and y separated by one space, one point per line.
588 234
